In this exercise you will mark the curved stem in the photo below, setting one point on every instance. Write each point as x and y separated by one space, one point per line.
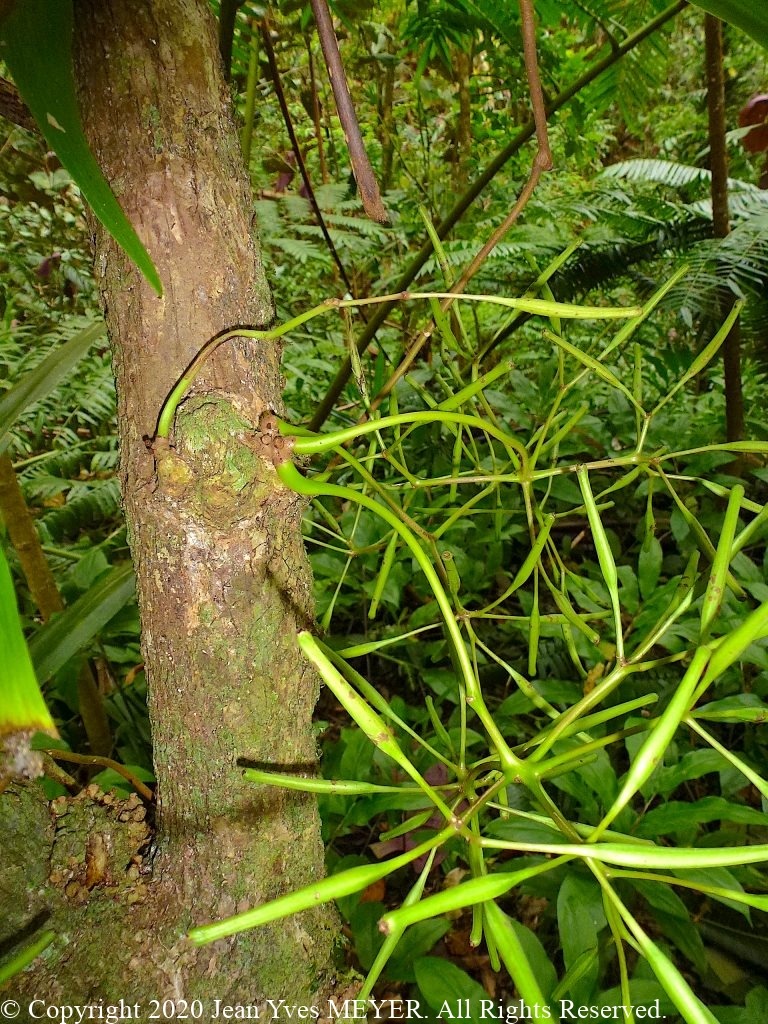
317 443
292 478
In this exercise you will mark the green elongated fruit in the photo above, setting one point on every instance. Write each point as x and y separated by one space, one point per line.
291 477
381 580
715 592
374 727
652 751
327 889
604 557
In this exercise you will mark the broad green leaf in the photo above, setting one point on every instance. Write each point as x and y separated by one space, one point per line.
23 707
751 16
43 379
679 816
36 44
580 919
445 988
691 766
675 920
61 638
415 943
717 883
649 565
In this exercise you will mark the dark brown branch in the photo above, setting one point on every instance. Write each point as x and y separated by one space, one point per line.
103 762
542 161
361 165
14 109
526 132
274 71
718 164
227 14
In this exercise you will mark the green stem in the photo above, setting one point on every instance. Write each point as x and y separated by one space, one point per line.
318 443
528 305
291 477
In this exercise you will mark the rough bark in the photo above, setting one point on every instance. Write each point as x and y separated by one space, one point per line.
718 162
222 580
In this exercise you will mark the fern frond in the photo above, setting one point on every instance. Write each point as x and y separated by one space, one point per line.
88 505
671 174
297 248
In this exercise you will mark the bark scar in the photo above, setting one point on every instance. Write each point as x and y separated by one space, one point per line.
267 441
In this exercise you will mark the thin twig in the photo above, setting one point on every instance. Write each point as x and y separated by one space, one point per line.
361 165
457 211
105 762
542 161
297 152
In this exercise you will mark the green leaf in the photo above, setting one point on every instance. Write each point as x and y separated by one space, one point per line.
23 707
747 15
679 816
58 640
43 379
415 943
36 44
649 565
445 987
672 915
580 918
718 879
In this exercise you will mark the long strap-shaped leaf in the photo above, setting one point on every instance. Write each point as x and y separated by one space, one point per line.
23 707
751 16
36 44
38 383
59 639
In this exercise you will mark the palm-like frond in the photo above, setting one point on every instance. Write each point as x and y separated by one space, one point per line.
673 175
89 505
630 228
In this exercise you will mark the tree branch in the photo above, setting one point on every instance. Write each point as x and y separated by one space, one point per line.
361 165
465 201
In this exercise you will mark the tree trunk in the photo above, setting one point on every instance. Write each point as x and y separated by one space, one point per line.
462 76
718 162
222 579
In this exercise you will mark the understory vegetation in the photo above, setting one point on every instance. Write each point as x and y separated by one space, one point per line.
540 562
